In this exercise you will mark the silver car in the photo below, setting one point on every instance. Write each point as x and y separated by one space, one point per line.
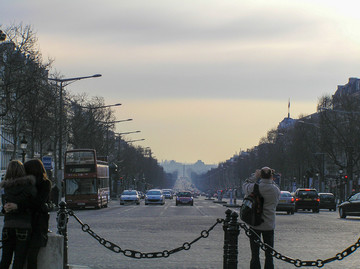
286 203
154 196
130 197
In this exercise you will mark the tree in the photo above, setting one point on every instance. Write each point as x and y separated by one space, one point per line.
22 73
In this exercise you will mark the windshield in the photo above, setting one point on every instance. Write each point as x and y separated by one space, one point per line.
184 194
307 194
153 193
80 186
129 193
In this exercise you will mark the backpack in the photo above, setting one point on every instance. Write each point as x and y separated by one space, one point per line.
252 208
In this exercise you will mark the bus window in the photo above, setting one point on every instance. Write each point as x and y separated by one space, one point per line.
80 157
81 186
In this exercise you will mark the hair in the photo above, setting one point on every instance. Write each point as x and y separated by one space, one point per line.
266 172
15 169
36 168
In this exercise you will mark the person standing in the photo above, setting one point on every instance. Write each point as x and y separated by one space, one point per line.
17 188
271 193
41 206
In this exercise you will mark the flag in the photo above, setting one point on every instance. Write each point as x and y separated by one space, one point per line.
289 108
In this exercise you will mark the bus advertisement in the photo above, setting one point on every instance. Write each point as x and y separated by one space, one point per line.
86 179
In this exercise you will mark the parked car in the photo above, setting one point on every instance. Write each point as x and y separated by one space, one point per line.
286 203
168 194
307 199
351 207
154 196
130 196
327 201
184 198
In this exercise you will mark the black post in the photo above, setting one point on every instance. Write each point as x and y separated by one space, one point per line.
233 233
226 238
23 156
62 220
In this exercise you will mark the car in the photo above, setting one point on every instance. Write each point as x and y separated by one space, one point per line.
129 196
327 201
168 194
286 203
307 199
154 196
184 198
351 207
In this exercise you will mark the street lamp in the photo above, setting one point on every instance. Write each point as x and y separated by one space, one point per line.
107 125
130 141
62 81
115 121
23 146
97 107
128 133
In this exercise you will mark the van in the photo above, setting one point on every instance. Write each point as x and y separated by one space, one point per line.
307 199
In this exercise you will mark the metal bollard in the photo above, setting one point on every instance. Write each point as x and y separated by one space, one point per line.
62 220
226 238
233 233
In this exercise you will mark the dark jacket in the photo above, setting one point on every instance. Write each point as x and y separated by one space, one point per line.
40 207
20 191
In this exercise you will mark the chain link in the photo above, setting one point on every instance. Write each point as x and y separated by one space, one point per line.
298 263
137 254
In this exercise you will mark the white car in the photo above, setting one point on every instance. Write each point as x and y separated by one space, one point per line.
154 196
130 197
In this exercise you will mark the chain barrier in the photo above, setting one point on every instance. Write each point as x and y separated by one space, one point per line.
137 254
297 262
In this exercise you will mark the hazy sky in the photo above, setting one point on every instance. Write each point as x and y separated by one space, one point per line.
202 79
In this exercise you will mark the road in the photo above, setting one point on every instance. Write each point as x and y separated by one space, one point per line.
304 236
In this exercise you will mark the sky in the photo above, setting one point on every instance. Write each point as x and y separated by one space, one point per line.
201 79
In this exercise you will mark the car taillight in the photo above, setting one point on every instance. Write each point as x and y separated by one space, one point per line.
297 199
292 199
317 199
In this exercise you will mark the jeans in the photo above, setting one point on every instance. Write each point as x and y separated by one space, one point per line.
32 257
15 241
268 238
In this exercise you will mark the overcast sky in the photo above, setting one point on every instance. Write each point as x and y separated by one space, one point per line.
202 79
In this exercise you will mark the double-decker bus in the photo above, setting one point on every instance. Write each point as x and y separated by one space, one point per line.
86 179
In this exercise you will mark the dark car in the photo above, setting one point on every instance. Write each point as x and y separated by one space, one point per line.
184 198
286 203
351 207
327 201
307 199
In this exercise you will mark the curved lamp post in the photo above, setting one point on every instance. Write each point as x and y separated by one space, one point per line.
61 107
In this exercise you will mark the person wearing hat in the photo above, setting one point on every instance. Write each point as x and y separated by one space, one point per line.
271 193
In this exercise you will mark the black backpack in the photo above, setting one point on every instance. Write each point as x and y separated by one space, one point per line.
252 208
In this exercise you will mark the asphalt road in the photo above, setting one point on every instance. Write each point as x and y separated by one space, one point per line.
155 228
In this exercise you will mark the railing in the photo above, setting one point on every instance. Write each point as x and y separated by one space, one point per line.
231 228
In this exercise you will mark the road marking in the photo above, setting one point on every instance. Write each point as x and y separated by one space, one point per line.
165 208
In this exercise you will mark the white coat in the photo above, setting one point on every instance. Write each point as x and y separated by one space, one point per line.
271 193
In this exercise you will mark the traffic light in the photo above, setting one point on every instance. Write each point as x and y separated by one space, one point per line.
345 177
